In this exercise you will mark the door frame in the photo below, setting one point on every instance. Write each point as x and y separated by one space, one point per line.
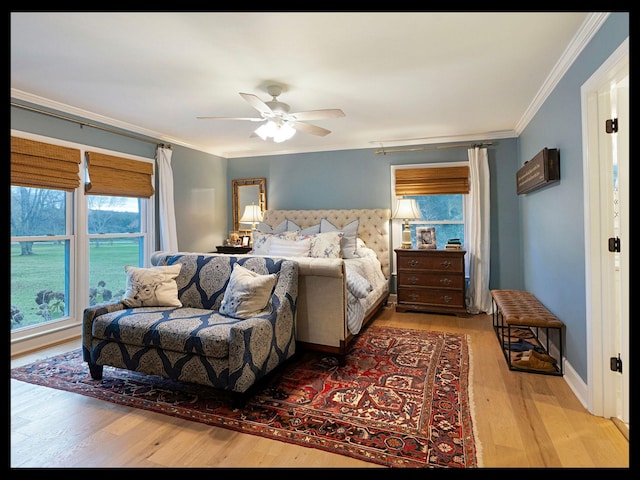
601 386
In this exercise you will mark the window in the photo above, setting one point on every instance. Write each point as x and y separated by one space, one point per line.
40 248
443 212
439 190
115 240
68 248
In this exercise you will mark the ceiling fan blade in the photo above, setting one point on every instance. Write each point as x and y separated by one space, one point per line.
317 114
312 129
250 119
258 104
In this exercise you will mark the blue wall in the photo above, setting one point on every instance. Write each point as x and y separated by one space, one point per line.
362 179
552 219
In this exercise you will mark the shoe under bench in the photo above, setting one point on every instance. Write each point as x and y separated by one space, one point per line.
517 309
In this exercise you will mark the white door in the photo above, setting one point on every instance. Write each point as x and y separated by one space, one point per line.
606 98
621 197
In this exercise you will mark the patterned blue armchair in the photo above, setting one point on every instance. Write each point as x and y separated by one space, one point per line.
196 342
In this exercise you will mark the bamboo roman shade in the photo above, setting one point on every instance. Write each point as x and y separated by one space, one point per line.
43 165
432 181
117 176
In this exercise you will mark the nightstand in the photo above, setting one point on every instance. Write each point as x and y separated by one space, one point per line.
232 250
431 281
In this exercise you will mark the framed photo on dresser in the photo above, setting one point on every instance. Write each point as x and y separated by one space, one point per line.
426 238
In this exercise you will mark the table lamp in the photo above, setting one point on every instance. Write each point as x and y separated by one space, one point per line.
253 215
406 209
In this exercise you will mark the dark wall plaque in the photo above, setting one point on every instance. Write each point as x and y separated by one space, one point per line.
540 171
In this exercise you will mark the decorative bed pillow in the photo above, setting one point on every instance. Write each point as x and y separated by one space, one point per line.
293 227
350 231
324 245
261 240
265 228
281 247
248 292
152 287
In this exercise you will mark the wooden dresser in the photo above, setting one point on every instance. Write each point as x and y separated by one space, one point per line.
431 281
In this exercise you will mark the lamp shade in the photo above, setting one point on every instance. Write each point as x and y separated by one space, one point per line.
407 209
252 214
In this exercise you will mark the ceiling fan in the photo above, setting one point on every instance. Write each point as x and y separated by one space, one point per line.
279 124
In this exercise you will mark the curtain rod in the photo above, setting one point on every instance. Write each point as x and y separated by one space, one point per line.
93 125
384 151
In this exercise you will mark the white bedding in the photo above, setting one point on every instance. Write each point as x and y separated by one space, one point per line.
367 269
365 283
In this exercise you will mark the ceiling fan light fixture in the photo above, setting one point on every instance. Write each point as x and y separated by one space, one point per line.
278 124
284 132
279 131
266 130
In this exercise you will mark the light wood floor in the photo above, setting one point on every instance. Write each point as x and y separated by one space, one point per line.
521 420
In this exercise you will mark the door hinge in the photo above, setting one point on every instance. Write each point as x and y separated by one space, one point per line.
614 244
615 364
611 125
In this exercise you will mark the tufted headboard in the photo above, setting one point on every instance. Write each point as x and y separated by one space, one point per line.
373 228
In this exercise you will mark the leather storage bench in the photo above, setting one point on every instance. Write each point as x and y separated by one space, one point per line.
518 311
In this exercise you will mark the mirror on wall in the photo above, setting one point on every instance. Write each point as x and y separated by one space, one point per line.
247 191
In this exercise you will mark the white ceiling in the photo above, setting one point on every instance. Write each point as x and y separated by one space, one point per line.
402 78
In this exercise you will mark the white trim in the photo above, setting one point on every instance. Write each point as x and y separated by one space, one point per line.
575 383
587 30
87 115
595 317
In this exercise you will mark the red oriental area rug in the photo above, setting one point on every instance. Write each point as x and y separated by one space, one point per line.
401 400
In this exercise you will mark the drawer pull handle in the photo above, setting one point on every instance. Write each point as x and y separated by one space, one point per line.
446 298
413 280
413 262
445 281
414 296
446 264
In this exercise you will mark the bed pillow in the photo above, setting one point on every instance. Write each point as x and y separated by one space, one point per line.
152 287
350 231
293 227
261 240
281 247
265 228
248 293
324 245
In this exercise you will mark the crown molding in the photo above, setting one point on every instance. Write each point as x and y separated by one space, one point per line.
587 30
43 102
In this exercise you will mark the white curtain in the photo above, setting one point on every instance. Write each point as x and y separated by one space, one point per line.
477 232
168 234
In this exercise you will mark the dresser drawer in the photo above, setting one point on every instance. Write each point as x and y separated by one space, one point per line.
431 281
448 263
439 280
431 297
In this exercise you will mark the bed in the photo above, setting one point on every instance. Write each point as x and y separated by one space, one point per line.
337 296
